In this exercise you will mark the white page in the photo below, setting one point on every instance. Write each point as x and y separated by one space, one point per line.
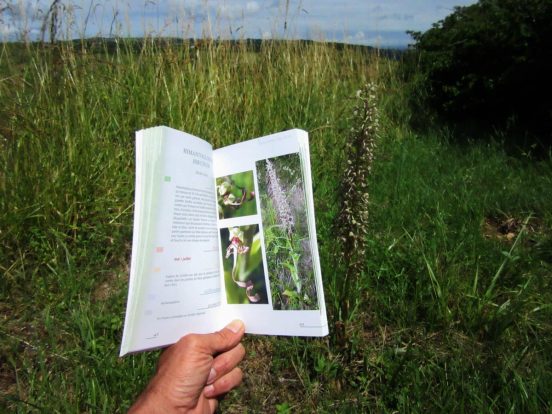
175 282
185 274
264 309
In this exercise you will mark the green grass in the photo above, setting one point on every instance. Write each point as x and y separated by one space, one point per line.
454 313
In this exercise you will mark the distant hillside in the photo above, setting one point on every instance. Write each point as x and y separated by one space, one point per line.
110 44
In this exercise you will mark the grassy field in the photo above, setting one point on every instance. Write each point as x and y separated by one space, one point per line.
453 314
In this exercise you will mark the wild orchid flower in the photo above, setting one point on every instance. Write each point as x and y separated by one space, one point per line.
237 247
236 244
229 199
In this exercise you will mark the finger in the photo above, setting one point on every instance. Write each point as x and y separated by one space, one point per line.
223 340
226 362
224 384
213 404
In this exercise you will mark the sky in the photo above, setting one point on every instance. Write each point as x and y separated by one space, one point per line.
368 22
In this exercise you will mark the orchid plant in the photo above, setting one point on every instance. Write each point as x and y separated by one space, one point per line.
285 233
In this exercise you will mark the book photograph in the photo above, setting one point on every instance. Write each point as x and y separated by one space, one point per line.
284 216
244 275
220 235
236 195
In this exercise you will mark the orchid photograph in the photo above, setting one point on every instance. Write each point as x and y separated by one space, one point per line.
236 195
286 235
244 275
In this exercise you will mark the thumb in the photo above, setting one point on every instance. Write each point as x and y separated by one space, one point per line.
225 339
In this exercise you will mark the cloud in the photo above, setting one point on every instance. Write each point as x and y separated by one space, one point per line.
190 9
21 19
235 12
358 38
8 32
396 16
252 7
364 22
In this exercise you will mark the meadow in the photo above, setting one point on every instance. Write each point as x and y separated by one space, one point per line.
453 312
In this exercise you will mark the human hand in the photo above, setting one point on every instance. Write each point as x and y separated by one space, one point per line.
193 372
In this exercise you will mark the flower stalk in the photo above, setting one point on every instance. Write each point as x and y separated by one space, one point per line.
352 220
279 199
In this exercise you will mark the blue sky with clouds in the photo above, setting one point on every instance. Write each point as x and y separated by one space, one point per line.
369 22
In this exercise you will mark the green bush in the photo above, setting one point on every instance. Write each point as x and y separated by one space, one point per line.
490 62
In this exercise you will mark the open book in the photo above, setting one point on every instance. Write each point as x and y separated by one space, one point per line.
222 235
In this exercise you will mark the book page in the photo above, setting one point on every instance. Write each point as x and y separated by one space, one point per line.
270 268
175 279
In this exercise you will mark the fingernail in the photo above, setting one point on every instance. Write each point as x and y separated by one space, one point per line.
235 326
212 375
208 390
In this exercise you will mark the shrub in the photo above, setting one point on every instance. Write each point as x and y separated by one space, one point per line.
490 62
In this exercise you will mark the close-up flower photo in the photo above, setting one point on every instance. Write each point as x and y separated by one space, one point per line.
236 195
244 275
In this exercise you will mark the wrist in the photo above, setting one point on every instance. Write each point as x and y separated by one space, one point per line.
157 398
151 401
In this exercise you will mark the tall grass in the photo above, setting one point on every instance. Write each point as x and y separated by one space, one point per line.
68 119
454 314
